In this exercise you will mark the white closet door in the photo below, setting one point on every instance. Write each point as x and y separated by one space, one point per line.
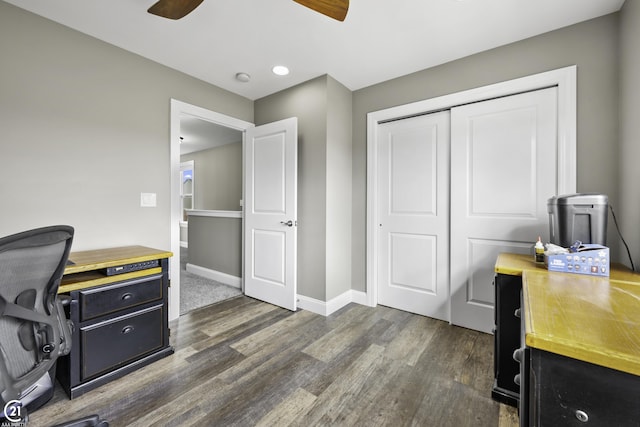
413 233
503 170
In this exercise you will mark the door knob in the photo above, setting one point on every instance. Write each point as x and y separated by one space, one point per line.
288 223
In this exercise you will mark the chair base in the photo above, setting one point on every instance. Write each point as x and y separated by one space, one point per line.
90 421
40 393
31 399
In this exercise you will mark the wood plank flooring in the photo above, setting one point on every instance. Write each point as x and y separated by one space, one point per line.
242 362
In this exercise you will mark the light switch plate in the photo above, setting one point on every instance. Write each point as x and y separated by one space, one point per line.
148 200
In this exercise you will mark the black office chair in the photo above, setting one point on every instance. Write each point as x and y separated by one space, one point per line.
34 331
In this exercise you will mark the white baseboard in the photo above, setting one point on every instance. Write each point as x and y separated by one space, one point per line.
359 297
325 308
218 276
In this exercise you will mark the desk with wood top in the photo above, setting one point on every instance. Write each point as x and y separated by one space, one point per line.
119 307
580 357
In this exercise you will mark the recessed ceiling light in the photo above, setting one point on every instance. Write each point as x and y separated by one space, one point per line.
280 70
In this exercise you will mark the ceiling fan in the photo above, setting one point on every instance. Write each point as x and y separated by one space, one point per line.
176 9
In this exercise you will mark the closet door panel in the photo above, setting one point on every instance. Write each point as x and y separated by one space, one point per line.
413 212
503 170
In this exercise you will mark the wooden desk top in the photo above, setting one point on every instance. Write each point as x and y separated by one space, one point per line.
111 257
516 264
589 318
84 270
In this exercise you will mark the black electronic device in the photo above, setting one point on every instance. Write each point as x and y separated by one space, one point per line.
128 268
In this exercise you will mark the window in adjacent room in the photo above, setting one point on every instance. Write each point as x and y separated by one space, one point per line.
187 179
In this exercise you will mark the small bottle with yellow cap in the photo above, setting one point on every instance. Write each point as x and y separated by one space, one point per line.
539 251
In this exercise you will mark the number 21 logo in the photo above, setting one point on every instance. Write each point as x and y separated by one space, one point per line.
13 411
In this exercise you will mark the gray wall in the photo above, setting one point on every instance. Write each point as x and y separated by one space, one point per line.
629 172
307 102
216 244
592 45
338 192
218 177
84 129
323 107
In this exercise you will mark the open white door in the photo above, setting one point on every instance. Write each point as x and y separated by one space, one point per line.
270 212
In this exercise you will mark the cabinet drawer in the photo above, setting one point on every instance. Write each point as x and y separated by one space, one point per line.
570 392
97 302
107 345
507 336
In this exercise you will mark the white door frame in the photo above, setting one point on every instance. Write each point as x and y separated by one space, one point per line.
177 109
564 78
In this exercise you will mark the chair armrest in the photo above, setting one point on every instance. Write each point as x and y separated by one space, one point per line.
65 325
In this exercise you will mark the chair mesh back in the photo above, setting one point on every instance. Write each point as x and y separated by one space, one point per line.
31 267
25 271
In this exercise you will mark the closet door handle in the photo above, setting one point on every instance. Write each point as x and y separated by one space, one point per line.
288 223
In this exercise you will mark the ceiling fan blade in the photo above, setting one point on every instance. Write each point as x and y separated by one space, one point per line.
336 9
174 9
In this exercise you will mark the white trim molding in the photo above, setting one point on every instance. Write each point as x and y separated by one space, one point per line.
216 214
218 276
329 307
565 79
184 228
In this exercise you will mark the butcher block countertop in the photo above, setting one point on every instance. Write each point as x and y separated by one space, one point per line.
84 269
589 318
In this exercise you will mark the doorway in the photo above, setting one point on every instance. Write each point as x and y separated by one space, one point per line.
196 116
460 282
211 197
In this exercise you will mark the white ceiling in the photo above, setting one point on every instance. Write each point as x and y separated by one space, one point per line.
198 134
378 41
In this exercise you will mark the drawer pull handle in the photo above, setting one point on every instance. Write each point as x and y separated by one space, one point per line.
517 313
582 416
127 296
516 379
517 355
127 329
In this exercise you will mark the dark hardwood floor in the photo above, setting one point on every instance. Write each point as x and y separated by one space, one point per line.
242 362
